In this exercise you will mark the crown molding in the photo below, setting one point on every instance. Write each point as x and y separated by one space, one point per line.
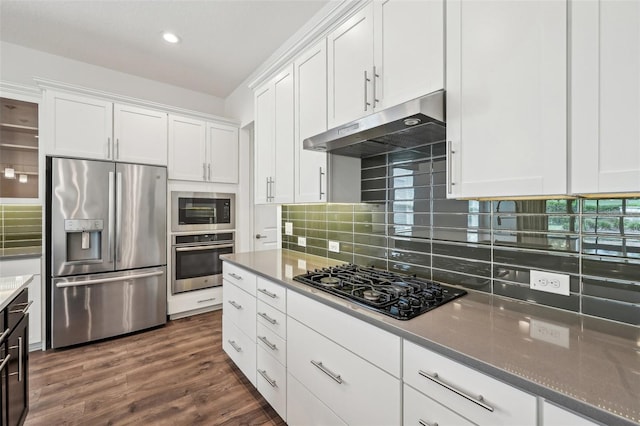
45 84
20 92
317 27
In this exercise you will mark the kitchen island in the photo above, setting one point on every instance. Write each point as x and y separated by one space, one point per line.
584 364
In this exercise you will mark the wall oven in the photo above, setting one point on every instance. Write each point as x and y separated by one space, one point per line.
202 211
195 260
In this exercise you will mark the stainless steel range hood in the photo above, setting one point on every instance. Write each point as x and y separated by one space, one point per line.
414 123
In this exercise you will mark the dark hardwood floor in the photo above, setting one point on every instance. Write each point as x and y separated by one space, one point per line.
173 375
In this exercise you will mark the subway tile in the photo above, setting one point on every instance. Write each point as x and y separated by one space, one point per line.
611 246
403 268
538 240
319 207
373 184
439 150
451 206
374 161
539 260
373 196
296 208
619 311
375 173
620 269
608 289
423 179
314 224
370 261
340 208
370 251
316 242
296 247
339 226
515 291
316 215
340 236
297 215
410 231
370 217
413 206
417 245
410 193
535 223
469 251
317 251
463 220
408 218
412 257
339 217
317 233
462 235
463 280
371 240
417 153
345 257
369 208
369 228
458 265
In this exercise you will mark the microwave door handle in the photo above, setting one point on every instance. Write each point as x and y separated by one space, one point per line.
205 247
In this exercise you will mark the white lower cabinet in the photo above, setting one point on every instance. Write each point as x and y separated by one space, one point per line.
350 386
273 344
473 395
240 348
420 410
193 302
271 381
552 415
304 409
240 307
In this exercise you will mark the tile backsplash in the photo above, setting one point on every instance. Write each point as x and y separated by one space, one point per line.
20 229
408 225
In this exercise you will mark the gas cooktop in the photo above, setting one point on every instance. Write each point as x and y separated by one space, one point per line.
397 295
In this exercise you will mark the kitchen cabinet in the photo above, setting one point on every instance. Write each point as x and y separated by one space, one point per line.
310 120
605 97
552 415
306 409
239 318
274 139
387 53
473 395
86 127
192 302
14 362
419 409
506 98
29 266
195 142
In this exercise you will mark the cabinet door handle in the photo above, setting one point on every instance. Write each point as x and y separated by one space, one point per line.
366 80
23 310
264 374
271 181
108 148
209 170
321 174
117 155
450 153
234 304
268 343
204 171
434 378
5 361
19 348
236 276
325 370
375 76
234 345
268 293
425 423
268 318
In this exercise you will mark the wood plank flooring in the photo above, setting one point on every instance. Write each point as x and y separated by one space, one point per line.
173 375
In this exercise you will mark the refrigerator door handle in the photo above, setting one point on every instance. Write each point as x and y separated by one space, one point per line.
109 279
111 207
118 213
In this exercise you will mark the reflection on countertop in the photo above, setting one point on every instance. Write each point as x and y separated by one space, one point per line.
583 363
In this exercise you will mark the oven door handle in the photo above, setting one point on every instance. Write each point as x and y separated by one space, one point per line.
203 247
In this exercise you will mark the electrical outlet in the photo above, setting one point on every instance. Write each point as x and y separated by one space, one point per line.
302 241
549 282
334 246
288 228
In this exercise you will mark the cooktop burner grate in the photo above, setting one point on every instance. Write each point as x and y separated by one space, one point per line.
397 295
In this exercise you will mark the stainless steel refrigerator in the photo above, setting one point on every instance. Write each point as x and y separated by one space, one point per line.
106 249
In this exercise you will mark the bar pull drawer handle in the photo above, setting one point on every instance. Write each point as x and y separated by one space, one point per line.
434 378
211 299
268 293
236 276
234 304
19 348
264 374
4 335
234 345
5 361
268 343
21 311
425 423
268 318
325 370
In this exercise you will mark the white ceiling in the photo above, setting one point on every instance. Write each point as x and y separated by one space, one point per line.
223 41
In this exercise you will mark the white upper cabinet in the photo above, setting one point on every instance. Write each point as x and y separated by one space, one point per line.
78 126
140 135
274 138
202 151
605 96
86 127
389 52
311 119
506 98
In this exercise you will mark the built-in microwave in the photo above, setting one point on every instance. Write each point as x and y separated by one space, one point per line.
202 211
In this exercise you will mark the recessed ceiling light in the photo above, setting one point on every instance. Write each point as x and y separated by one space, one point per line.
170 37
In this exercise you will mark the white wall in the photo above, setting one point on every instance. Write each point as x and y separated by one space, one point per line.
20 64
239 104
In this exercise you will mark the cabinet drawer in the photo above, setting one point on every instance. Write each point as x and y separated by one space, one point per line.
271 343
16 310
486 400
347 384
194 300
304 409
240 308
352 333
271 381
240 348
272 293
272 318
239 276
422 410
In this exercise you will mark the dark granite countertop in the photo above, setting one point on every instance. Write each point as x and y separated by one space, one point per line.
589 365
